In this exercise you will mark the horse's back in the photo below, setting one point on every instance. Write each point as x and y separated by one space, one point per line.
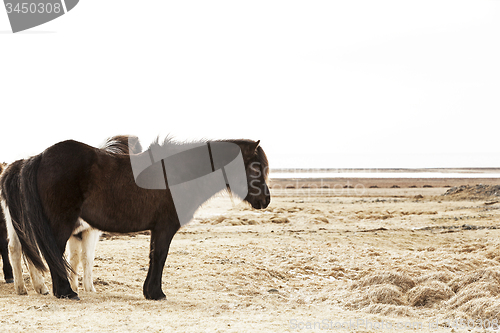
65 157
69 150
75 179
114 202
64 174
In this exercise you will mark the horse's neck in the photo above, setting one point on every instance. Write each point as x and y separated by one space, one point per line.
188 197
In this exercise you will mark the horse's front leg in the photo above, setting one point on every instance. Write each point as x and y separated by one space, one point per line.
161 237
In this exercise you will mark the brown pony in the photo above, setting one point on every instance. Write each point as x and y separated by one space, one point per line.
71 180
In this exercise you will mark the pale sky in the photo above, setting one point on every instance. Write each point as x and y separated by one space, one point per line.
320 83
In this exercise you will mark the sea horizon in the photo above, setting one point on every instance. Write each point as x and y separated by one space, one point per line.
385 173
390 161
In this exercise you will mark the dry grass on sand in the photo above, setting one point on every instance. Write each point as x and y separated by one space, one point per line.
308 260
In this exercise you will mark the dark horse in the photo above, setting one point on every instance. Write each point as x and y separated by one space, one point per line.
71 180
81 244
7 268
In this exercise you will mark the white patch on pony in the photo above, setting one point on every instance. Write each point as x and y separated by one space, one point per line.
37 280
82 251
90 238
81 226
15 252
73 249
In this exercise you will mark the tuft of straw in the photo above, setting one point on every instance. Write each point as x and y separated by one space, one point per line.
429 293
401 280
385 294
491 275
484 308
443 276
473 291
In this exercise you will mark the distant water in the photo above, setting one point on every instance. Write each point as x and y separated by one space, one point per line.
326 175
372 161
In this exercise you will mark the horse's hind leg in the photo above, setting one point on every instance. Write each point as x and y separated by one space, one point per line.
62 232
15 254
90 237
36 276
4 246
74 249
160 243
4 250
37 280
7 267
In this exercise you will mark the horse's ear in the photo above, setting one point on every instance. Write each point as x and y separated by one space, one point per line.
254 146
249 148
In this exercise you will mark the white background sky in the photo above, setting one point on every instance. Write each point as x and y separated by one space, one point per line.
320 83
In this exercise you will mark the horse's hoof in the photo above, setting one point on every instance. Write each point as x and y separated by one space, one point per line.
42 290
157 298
9 280
22 291
70 297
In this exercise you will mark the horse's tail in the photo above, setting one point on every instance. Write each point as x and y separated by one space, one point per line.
11 192
35 223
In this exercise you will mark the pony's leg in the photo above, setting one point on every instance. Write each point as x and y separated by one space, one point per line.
62 232
37 280
74 249
160 243
90 237
7 267
36 276
16 258
15 254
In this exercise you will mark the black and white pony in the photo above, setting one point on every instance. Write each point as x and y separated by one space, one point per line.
4 248
81 245
71 180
